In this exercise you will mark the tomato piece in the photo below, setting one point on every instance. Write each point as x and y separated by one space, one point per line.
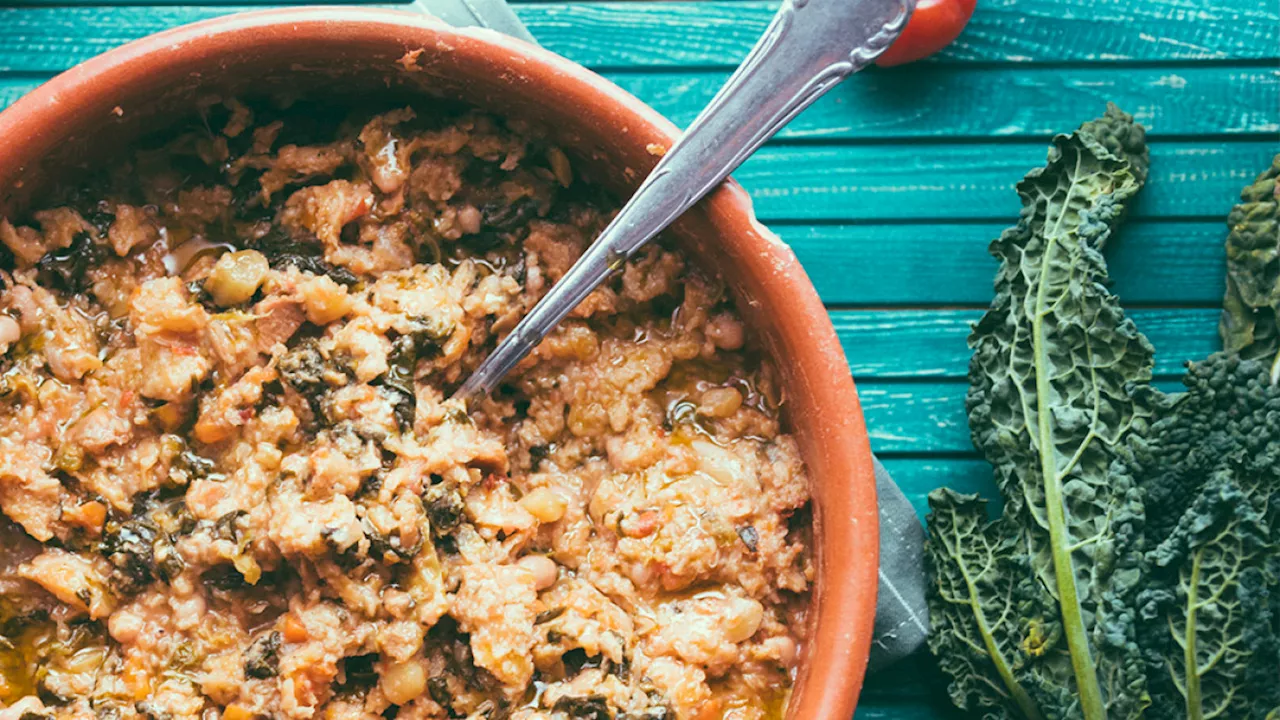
933 26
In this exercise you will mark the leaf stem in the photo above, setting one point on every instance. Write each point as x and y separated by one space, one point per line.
1003 668
1073 627
1195 709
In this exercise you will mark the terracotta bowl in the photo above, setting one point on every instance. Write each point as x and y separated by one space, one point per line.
77 119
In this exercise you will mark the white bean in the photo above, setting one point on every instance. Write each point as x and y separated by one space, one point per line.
744 620
544 504
469 219
544 569
784 648
720 402
10 333
236 277
404 682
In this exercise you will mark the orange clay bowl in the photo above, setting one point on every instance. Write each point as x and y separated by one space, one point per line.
79 117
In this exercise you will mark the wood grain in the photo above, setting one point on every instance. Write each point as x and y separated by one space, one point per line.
12 88
932 343
957 101
947 181
947 263
977 102
717 33
923 417
951 181
620 34
903 710
918 476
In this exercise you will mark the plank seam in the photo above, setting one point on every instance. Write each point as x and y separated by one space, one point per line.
884 381
954 64
967 307
1004 220
971 140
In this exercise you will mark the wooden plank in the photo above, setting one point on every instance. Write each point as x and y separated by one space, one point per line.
949 101
930 101
924 417
718 33
618 34
917 477
938 709
969 180
944 181
947 264
915 417
916 680
912 689
1092 30
53 39
932 343
12 88
127 3
905 711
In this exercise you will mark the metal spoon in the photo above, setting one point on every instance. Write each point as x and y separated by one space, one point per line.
809 47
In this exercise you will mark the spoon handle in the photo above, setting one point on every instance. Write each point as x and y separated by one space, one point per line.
803 54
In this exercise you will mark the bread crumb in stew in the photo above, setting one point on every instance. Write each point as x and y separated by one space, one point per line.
235 487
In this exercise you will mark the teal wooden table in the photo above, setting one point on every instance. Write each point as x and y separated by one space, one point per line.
890 188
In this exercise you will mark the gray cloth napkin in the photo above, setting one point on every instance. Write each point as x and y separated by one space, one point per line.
902 617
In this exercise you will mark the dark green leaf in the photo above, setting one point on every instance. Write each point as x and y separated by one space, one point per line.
1057 387
977 633
1213 646
1209 471
1250 322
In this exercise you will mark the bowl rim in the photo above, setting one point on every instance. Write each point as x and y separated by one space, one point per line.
835 657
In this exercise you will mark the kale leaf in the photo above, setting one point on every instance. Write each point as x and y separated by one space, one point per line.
1209 633
262 658
1058 384
304 252
68 269
1229 417
1250 321
974 606
1208 610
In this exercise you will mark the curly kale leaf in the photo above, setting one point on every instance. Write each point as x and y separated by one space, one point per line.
304 252
68 269
142 548
1250 321
1229 416
262 659
1208 610
1057 387
1209 622
974 566
1212 644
